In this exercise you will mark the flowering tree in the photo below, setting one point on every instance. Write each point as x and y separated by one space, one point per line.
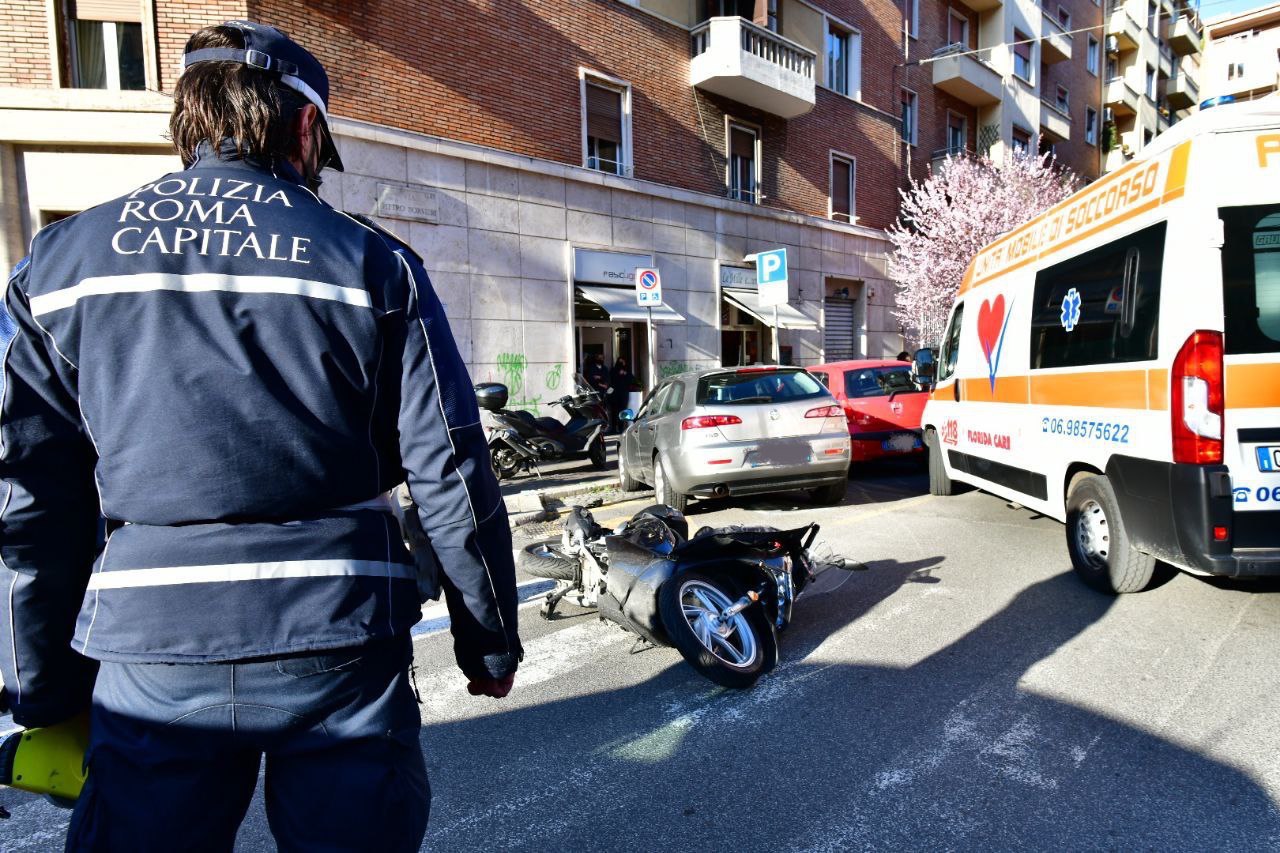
963 205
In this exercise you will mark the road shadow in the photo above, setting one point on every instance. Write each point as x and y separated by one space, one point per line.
946 751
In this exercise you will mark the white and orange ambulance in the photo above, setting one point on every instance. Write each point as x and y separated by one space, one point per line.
1115 363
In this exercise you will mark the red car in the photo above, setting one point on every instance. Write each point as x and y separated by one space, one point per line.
880 402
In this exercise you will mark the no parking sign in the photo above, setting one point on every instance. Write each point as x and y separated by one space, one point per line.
648 287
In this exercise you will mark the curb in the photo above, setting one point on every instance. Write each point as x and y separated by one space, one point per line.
548 504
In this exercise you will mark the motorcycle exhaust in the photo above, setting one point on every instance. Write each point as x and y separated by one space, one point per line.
518 447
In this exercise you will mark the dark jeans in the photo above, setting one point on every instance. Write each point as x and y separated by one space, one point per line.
175 751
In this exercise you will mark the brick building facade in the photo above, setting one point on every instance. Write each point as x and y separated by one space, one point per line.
744 124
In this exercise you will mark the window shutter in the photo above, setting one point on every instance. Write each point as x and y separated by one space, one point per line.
604 113
742 144
840 187
119 11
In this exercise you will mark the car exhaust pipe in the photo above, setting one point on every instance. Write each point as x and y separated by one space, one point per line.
720 491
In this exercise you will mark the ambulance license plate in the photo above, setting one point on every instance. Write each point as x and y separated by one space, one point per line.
1269 458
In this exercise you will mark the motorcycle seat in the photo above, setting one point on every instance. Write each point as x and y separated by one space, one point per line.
549 424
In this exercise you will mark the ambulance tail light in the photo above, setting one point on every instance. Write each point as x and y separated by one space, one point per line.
1197 404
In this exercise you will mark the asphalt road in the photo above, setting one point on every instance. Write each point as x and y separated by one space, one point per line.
965 693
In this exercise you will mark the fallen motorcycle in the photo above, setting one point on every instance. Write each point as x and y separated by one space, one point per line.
720 598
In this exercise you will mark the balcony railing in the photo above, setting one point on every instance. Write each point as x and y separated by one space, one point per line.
1182 92
966 76
1055 46
1121 97
1055 117
737 59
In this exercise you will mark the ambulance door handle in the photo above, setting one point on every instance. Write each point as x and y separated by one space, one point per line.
955 390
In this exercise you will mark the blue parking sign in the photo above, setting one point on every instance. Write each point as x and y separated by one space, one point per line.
771 276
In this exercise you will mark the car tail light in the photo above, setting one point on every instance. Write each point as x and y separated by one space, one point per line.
825 412
705 421
1220 534
1197 400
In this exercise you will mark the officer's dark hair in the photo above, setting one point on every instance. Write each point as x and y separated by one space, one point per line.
229 100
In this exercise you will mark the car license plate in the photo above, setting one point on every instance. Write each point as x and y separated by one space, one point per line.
903 442
1268 458
780 454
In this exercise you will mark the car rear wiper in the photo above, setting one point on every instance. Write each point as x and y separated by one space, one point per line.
753 400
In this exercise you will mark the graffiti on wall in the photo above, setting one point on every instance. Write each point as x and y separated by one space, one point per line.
671 368
554 376
513 366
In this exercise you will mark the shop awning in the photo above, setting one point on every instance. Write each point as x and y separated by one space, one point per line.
620 304
749 301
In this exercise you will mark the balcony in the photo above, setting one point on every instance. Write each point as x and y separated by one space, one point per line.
736 59
1123 28
1055 44
1182 92
1184 36
1055 120
1122 98
964 76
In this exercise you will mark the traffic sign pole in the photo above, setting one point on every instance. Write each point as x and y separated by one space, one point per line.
777 358
653 358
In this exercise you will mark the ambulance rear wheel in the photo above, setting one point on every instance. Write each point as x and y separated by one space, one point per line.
940 482
1101 552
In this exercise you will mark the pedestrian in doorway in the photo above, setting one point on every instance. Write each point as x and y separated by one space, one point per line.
904 356
597 375
255 395
620 380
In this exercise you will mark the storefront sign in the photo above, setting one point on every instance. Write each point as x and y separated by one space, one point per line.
416 204
742 277
595 267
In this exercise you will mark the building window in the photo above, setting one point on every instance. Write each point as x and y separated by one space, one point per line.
957 28
1090 126
1022 55
105 42
1021 141
1236 69
606 114
1147 136
1064 100
957 134
1113 70
1151 83
773 16
910 116
1064 18
1091 56
913 17
843 182
838 59
1153 18
744 164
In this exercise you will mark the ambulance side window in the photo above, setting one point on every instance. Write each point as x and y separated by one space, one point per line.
1251 278
1101 307
951 345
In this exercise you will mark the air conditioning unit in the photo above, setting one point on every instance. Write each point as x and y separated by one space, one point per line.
1108 115
1113 45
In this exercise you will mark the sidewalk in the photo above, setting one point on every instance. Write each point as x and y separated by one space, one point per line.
574 481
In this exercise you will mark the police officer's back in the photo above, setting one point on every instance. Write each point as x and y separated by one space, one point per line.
235 375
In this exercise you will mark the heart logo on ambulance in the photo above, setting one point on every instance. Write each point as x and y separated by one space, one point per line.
993 319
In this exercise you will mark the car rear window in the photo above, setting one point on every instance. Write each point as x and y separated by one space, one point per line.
773 386
877 381
1251 278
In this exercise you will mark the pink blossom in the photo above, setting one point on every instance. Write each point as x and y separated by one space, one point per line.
966 203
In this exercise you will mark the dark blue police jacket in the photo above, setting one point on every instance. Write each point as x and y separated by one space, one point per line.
232 373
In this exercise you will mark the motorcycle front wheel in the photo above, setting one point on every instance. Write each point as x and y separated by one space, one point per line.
505 461
597 453
732 652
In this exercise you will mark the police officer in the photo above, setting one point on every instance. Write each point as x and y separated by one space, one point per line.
235 375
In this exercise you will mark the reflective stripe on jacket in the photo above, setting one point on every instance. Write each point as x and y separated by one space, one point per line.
216 363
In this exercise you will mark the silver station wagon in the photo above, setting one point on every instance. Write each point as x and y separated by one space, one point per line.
736 431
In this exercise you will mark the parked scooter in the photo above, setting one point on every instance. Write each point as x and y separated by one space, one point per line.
719 598
518 441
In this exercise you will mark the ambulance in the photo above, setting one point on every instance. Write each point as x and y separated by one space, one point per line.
1115 362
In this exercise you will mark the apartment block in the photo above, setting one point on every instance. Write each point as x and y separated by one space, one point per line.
1152 72
537 153
1242 54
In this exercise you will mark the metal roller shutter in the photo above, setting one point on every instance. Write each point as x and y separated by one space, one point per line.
839 338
